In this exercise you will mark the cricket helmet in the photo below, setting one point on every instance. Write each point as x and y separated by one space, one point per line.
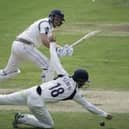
57 13
80 76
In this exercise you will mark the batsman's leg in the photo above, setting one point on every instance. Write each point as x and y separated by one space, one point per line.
11 69
40 60
47 75
50 74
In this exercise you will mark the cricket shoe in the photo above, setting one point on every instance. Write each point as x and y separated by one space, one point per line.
16 119
4 75
2 72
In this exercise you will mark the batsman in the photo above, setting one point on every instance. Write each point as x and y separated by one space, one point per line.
25 47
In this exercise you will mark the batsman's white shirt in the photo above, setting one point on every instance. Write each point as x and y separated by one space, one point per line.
32 33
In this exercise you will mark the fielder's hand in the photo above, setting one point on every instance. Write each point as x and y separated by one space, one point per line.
109 117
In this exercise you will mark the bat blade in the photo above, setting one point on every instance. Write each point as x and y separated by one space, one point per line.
86 36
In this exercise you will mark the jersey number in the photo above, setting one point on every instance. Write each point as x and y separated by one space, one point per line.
56 90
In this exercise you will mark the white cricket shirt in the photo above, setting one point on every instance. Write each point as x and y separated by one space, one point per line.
32 33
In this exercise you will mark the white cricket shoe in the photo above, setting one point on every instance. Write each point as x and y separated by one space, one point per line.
5 76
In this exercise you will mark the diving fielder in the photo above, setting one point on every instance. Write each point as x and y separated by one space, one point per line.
64 87
25 46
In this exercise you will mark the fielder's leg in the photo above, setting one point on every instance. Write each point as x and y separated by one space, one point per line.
41 117
17 98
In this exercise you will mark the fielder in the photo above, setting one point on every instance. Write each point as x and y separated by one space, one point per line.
64 87
25 46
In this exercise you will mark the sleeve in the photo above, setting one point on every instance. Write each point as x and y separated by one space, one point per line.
44 27
79 98
54 60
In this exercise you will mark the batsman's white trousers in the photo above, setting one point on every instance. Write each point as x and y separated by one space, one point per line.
40 116
22 52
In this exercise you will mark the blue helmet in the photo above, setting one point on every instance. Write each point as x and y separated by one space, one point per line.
80 76
58 13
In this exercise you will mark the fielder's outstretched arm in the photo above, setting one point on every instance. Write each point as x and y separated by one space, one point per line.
89 106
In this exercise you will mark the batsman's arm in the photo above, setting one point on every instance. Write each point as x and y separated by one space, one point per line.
90 107
46 40
55 60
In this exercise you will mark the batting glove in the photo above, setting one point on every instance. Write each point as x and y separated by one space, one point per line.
68 50
60 51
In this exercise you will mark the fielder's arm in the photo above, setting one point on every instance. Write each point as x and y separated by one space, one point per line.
90 107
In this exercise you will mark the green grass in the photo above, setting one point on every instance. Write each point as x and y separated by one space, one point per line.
105 56
72 120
